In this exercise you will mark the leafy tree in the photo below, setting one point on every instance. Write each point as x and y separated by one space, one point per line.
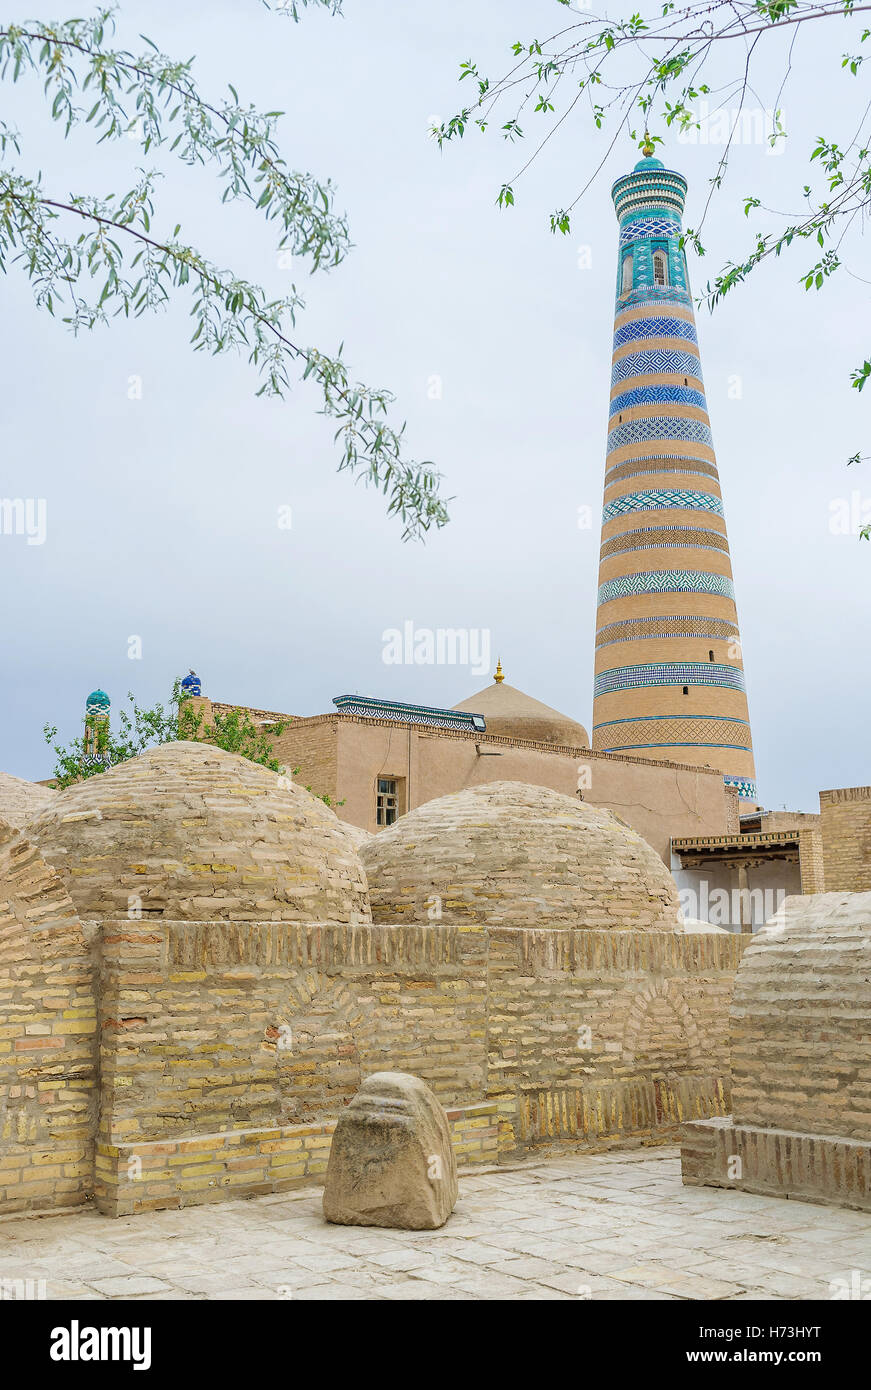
100 747
642 75
97 256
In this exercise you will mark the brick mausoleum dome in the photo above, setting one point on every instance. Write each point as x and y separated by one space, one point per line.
509 854
20 800
191 832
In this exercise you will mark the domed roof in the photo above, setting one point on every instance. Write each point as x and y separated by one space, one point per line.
20 800
509 854
188 831
648 163
97 701
512 714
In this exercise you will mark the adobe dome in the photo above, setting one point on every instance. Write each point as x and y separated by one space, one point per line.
21 800
509 854
512 714
192 832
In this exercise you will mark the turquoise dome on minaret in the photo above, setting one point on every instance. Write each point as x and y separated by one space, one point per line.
648 163
98 702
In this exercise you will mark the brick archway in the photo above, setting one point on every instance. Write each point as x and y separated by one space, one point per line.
316 1048
650 1031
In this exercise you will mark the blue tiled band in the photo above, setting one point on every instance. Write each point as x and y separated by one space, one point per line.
666 582
662 499
708 673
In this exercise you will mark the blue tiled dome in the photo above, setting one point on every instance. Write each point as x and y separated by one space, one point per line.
98 702
192 685
648 163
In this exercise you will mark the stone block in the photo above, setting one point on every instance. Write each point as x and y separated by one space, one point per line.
391 1161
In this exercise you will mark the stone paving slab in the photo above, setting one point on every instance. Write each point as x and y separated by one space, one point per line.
615 1226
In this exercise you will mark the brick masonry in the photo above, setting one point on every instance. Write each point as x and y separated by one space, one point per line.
48 1036
506 853
777 1163
801 1060
138 1177
243 1040
846 831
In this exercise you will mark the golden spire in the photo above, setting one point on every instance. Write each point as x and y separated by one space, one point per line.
499 678
647 147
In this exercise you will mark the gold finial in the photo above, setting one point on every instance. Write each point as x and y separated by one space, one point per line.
647 147
499 678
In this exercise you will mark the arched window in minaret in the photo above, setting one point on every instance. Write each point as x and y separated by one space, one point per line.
660 268
627 273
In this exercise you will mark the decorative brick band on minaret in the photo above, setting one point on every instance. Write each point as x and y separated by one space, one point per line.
669 676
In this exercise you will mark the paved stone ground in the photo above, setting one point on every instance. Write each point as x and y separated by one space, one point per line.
604 1226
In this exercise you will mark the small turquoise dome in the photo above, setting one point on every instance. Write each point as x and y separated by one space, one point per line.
648 163
98 702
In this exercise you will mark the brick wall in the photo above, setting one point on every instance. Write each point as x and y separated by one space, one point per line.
137 1177
233 1037
48 1037
810 858
801 1021
846 832
311 746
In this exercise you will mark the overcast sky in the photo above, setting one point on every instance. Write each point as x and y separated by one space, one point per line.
162 511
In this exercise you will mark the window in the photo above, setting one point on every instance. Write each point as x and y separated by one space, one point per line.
386 801
686 690
660 268
710 656
627 273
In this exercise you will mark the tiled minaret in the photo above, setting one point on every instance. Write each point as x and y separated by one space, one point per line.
669 676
